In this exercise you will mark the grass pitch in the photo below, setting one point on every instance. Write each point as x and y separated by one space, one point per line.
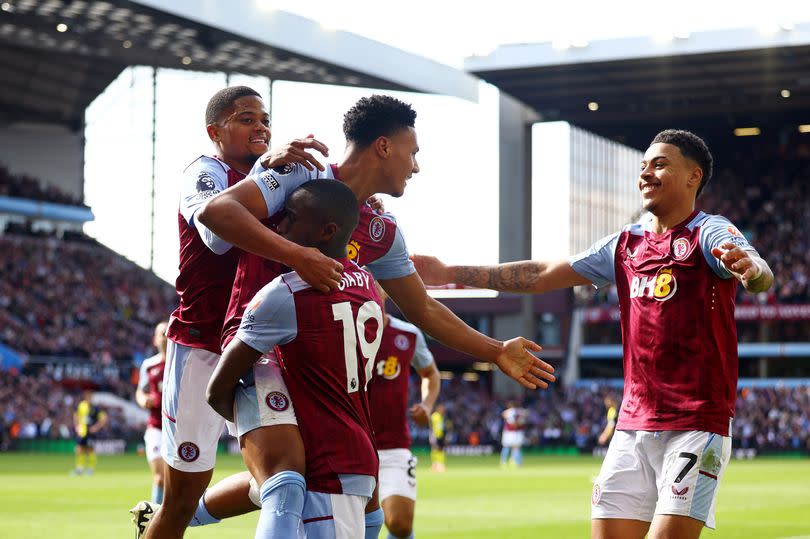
549 497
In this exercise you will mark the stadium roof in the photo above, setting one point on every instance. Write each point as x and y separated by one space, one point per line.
58 55
727 75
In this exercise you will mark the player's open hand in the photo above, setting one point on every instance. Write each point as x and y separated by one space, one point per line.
431 270
420 414
738 262
296 152
317 269
517 362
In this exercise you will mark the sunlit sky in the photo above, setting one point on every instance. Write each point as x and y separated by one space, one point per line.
451 208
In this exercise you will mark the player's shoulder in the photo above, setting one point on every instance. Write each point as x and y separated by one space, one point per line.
293 282
703 220
402 325
206 163
152 361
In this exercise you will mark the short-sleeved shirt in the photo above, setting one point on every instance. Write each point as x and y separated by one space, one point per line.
88 415
326 344
150 381
377 242
403 346
205 279
514 419
677 317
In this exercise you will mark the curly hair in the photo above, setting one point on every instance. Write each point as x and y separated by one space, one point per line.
692 147
376 116
222 102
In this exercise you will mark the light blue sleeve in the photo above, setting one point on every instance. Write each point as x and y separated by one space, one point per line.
203 179
597 263
270 318
143 376
422 357
277 184
395 263
715 231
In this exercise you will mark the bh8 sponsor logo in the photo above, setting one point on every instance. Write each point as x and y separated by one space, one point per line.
659 287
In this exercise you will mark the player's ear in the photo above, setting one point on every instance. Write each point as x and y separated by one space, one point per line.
213 132
328 232
696 177
383 147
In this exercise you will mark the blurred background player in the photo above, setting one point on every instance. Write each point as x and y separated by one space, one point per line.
403 346
514 421
149 396
326 344
611 415
437 442
88 420
677 276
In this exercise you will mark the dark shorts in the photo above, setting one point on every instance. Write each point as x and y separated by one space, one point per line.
85 441
437 442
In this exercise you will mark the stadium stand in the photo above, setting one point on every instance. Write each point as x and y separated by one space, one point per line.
73 297
24 186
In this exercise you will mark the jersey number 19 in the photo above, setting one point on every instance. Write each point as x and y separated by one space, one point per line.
354 331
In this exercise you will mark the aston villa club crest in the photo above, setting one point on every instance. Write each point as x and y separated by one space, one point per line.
596 495
401 342
277 400
376 229
680 248
188 451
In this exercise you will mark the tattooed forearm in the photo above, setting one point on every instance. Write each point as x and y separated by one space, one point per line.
511 277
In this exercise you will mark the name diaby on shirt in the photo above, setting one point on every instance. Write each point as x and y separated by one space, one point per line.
354 278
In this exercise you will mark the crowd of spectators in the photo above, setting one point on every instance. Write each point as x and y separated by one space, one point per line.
767 418
73 297
24 186
36 406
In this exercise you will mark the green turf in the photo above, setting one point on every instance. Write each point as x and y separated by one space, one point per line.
549 498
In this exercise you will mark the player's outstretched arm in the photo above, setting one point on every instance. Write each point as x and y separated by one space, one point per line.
752 271
513 357
235 361
527 276
235 216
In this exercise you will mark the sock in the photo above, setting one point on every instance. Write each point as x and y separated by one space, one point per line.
92 460
440 457
282 504
201 516
157 493
518 456
81 461
504 454
374 523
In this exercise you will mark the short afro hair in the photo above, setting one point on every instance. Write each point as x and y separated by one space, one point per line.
692 147
332 202
376 116
222 102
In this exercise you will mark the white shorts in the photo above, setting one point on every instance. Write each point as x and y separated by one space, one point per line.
397 473
512 438
262 398
334 516
191 428
151 443
661 473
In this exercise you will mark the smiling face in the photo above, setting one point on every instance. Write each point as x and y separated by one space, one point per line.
667 179
243 134
399 164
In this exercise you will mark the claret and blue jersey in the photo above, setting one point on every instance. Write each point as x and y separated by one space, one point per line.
677 317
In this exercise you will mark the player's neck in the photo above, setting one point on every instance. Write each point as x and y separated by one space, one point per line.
667 221
358 176
239 165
